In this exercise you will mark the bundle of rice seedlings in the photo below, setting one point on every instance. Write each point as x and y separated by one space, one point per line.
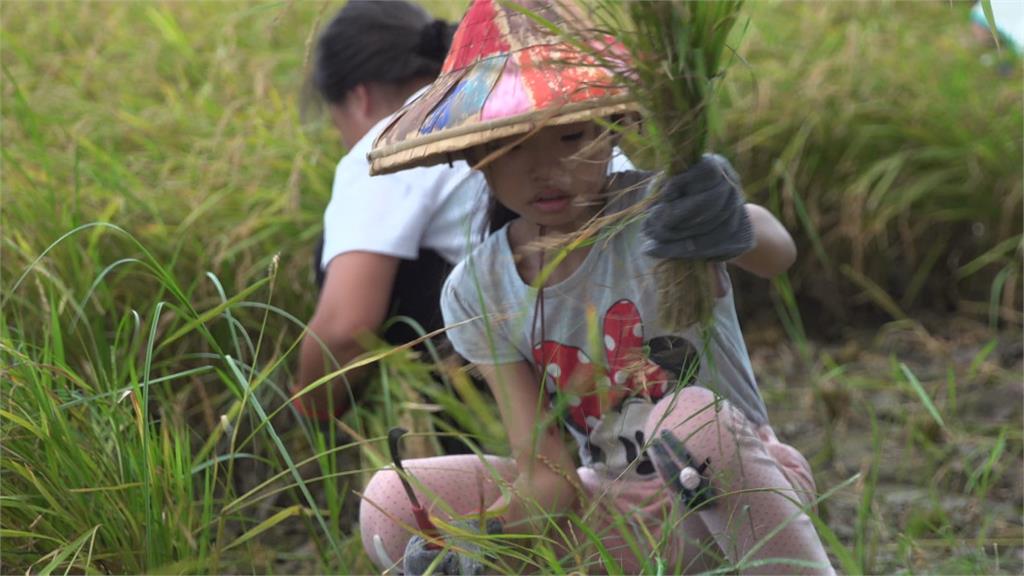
677 49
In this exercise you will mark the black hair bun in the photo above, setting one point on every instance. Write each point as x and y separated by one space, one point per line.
434 40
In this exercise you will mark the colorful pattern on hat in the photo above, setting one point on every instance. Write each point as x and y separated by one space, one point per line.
504 75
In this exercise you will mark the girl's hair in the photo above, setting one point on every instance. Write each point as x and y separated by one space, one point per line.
497 216
373 41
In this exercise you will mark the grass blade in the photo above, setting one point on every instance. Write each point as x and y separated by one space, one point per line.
265 525
926 400
61 554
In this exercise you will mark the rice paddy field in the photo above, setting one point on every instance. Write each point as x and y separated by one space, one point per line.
161 190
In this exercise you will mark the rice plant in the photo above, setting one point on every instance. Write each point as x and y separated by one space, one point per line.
902 187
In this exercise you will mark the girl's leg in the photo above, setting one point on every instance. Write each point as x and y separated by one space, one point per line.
644 502
756 513
459 484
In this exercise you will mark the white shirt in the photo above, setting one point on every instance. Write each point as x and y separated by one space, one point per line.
436 207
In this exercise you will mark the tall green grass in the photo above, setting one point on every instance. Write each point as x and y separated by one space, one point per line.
186 137
92 477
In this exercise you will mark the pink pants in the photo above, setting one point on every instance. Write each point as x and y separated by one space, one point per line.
763 488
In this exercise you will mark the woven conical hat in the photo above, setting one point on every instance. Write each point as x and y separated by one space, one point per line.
506 74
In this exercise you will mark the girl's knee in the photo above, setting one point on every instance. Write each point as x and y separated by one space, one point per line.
708 426
377 496
382 513
385 512
691 412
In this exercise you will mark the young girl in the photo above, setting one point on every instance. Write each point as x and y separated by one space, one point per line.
671 431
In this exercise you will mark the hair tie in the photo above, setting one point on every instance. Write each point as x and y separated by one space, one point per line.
433 40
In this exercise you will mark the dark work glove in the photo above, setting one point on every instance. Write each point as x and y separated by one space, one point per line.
700 215
462 556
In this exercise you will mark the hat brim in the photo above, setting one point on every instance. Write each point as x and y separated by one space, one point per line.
449 145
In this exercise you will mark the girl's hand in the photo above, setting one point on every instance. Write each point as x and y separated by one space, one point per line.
461 555
547 481
700 215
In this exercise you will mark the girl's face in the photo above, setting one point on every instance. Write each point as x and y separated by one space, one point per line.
555 178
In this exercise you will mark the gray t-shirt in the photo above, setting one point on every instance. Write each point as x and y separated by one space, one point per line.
605 357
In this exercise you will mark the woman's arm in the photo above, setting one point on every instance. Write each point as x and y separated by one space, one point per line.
353 301
773 252
547 480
